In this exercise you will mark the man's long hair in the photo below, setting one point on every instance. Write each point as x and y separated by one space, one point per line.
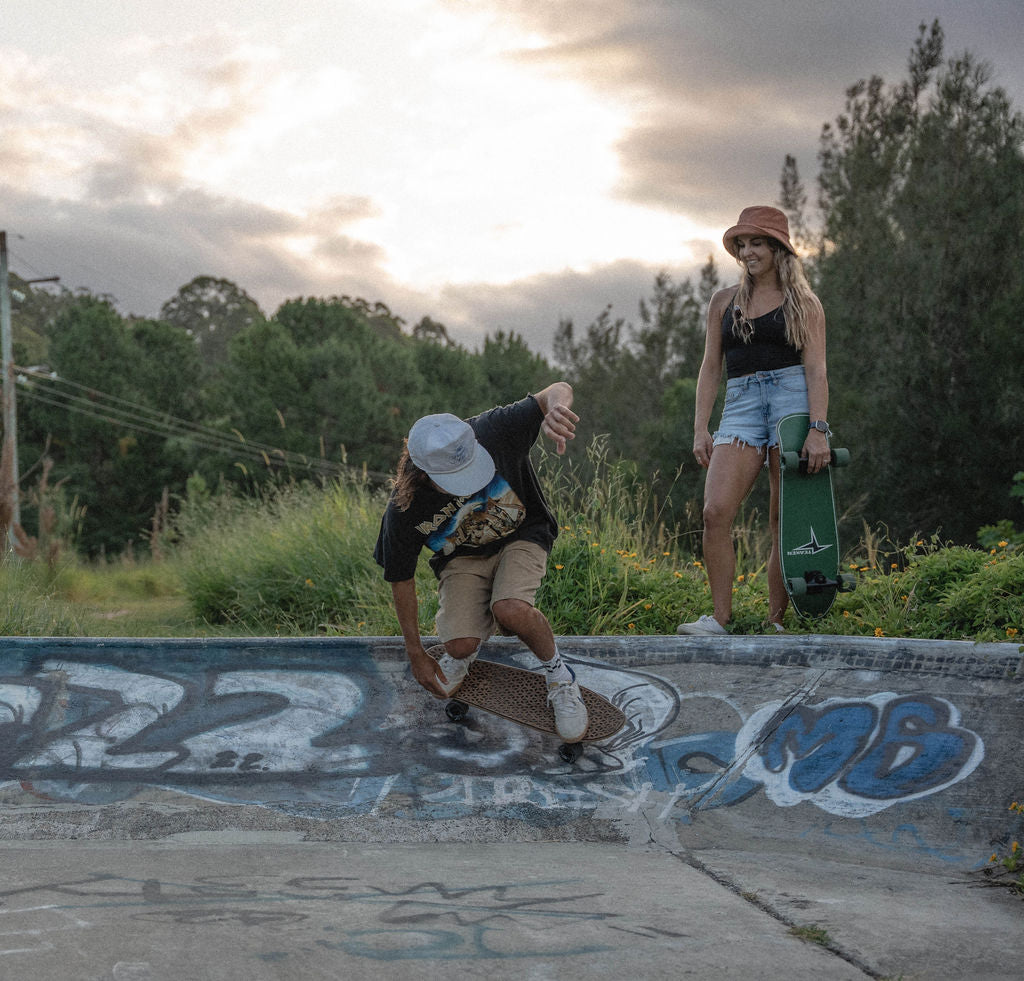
798 299
407 480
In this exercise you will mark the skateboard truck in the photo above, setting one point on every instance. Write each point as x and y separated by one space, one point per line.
813 581
837 458
458 712
521 697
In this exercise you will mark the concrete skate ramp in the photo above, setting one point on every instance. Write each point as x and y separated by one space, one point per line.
879 750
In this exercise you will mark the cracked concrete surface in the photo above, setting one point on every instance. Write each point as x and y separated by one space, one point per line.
301 809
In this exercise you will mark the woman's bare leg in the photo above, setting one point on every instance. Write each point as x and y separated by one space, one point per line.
734 468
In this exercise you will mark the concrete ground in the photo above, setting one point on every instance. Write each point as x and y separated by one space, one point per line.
776 808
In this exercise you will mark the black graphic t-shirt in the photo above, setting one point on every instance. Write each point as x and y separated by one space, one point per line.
510 508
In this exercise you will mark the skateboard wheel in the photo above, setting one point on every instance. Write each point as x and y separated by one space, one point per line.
791 460
840 458
847 583
797 587
456 710
570 752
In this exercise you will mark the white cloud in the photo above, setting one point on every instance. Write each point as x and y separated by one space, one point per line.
491 164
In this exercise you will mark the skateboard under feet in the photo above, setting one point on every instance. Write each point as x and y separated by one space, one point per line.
521 696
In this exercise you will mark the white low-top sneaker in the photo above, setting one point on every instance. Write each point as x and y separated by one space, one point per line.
455 670
706 625
570 713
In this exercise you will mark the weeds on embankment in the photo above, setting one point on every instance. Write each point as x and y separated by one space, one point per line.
298 561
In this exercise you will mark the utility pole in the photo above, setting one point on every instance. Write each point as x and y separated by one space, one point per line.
10 410
10 445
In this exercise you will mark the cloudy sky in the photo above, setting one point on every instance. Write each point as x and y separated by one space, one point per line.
494 164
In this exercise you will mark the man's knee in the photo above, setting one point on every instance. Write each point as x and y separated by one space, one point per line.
510 612
461 647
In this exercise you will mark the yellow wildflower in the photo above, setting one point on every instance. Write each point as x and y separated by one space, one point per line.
879 632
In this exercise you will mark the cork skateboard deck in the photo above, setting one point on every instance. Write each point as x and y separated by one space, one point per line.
521 696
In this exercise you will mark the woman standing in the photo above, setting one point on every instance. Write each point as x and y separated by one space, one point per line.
769 332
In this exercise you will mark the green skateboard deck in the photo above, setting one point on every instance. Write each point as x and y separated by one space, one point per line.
808 537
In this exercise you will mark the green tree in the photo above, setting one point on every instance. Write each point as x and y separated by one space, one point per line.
34 311
622 370
454 378
323 380
211 311
432 330
512 369
101 418
922 190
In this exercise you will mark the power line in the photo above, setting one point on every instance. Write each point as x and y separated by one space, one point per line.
45 388
94 400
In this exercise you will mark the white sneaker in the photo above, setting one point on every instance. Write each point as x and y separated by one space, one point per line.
455 670
702 625
570 713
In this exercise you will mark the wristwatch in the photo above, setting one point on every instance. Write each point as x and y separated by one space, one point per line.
821 426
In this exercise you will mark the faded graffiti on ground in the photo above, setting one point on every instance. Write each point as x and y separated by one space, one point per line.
333 742
438 919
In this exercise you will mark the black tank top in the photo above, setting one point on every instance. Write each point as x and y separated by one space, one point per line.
767 349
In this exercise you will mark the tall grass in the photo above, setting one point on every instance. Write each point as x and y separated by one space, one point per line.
31 602
298 561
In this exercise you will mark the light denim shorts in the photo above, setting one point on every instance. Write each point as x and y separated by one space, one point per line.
755 403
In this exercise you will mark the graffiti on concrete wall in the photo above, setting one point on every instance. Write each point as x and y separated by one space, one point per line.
849 757
329 741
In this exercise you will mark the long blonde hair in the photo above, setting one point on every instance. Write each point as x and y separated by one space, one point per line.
798 299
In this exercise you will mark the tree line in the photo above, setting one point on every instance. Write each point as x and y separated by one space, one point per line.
913 246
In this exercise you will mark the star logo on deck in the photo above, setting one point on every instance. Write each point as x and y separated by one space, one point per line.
813 547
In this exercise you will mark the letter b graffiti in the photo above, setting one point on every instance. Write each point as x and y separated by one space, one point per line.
857 756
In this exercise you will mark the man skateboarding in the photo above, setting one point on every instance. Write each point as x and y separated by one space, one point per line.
467 491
